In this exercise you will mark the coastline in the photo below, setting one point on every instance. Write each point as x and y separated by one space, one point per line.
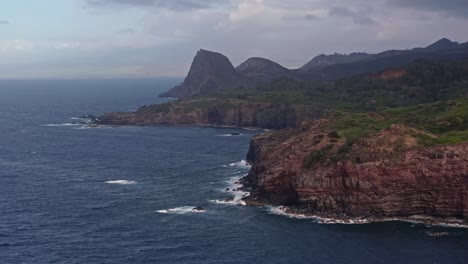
330 219
241 189
324 218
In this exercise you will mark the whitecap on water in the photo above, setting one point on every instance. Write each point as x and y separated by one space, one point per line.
233 188
91 126
121 182
282 210
82 119
181 210
63 124
230 135
240 164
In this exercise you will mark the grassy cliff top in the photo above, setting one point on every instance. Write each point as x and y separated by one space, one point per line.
446 120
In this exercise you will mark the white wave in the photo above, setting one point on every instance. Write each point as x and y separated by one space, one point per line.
82 119
233 188
63 124
181 210
230 135
240 164
92 126
121 182
282 210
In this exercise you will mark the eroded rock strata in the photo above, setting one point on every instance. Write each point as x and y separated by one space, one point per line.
211 112
390 174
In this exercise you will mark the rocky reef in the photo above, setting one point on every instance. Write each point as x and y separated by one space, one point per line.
314 170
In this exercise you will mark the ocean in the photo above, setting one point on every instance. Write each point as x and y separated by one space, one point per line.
74 194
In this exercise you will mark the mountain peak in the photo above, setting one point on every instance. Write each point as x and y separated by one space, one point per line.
442 44
261 70
210 71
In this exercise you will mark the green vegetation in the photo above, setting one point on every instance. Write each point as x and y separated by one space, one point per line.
427 95
447 120
421 82
317 156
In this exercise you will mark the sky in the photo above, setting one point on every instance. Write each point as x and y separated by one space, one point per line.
150 38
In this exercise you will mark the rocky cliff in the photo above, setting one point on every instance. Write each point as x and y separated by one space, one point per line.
315 171
210 112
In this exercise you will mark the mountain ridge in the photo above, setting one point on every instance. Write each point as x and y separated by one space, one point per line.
212 71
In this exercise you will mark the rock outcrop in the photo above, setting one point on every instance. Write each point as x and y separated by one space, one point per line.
390 174
210 112
209 72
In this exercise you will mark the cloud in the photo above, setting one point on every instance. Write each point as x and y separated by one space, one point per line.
358 17
176 5
126 31
448 7
310 17
4 22
162 36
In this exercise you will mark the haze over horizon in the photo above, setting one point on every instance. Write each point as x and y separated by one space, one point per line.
138 38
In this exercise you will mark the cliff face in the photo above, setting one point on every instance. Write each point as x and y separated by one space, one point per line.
210 71
387 175
209 112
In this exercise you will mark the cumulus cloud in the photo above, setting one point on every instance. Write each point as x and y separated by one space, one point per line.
161 36
177 5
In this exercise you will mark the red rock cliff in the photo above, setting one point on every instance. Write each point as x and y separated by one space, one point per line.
386 175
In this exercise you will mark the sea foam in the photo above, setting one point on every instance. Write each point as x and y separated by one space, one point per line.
233 188
62 124
181 210
282 210
121 182
240 164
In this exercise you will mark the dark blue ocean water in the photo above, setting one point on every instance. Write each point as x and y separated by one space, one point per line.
60 202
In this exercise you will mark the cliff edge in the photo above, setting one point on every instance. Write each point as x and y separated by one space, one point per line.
397 163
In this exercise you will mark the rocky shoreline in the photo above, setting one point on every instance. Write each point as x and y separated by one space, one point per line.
209 112
389 182
297 212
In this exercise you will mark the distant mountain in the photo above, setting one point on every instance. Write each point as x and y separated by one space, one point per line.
210 71
442 44
347 66
261 70
327 60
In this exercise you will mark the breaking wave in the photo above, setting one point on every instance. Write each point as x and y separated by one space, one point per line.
121 182
428 221
62 124
240 164
181 210
231 135
282 210
91 126
233 188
